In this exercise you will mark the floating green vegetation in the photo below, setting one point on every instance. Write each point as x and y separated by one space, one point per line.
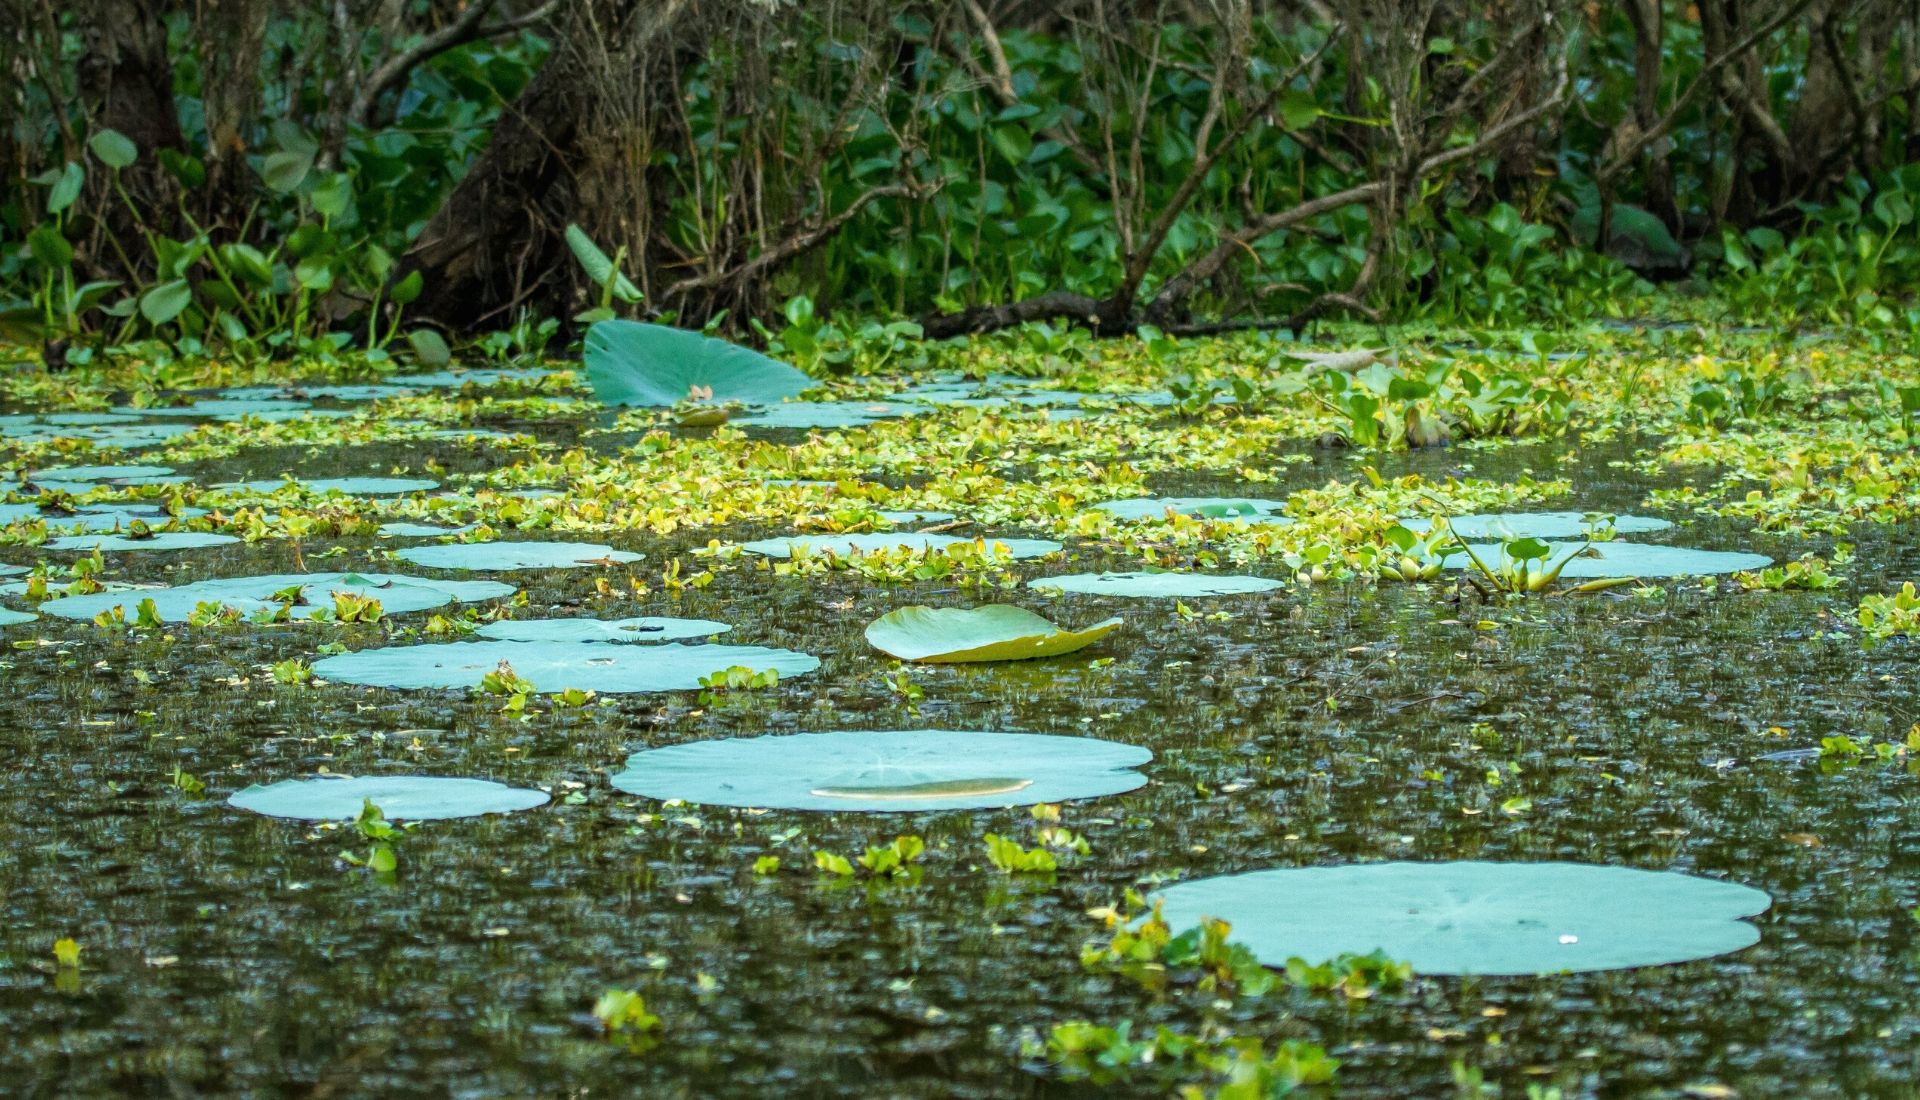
1147 584
997 632
885 770
509 556
551 667
1253 509
1887 616
844 546
345 486
280 596
1476 917
402 797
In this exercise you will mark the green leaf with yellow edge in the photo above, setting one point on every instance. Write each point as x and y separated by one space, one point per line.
996 632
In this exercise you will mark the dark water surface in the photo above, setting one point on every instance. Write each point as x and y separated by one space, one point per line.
229 954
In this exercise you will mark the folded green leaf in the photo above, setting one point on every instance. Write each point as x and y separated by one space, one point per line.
997 632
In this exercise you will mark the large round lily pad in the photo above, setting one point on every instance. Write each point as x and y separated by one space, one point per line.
400 797
1476 918
516 555
1141 508
996 632
556 666
1628 559
1150 585
1533 525
886 770
630 363
885 541
159 540
644 629
397 595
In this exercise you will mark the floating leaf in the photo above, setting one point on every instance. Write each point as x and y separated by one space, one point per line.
822 414
9 617
349 486
397 595
885 770
645 629
127 475
399 797
1533 525
1211 507
159 540
1151 585
556 666
1627 559
997 632
516 555
630 363
1475 918
886 541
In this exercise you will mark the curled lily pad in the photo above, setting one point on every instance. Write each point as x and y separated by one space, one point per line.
1474 917
644 629
1151 585
516 555
630 363
350 486
886 770
997 632
556 666
400 797
848 545
9 617
1210 507
159 540
1533 525
310 593
1627 559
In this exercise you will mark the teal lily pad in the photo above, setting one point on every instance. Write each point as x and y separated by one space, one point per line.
400 798
1628 559
1474 917
886 541
323 390
125 475
1533 525
404 530
10 617
516 555
218 407
556 666
630 363
350 486
643 629
996 632
108 518
1151 585
158 540
455 379
886 770
1211 507
822 414
12 570
900 518
15 513
397 595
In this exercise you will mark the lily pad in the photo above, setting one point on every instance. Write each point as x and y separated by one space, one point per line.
397 595
351 486
556 666
644 629
159 540
10 617
1533 525
630 363
1629 559
886 770
126 475
218 407
455 379
848 545
996 632
1212 507
1150 585
822 414
516 555
400 798
1474 917
108 518
12 570
404 530
904 518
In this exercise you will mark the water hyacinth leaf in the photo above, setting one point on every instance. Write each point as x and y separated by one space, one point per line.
312 592
516 555
1143 508
1533 525
158 540
884 542
631 363
896 771
399 797
643 629
1627 559
997 632
1476 917
556 666
1151 585
9 617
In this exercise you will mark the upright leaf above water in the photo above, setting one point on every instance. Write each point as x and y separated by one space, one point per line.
997 632
630 363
